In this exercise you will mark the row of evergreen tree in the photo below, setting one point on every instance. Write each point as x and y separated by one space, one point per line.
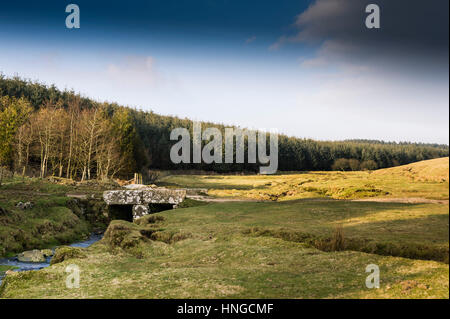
145 138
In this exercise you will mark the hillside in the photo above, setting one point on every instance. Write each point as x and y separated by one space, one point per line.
434 170
138 140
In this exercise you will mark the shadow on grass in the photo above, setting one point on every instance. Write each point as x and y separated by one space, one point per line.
314 222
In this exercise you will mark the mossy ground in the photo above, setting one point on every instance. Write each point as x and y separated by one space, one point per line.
271 249
54 218
4 268
217 257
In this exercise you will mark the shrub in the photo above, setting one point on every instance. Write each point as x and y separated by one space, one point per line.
341 164
354 164
369 165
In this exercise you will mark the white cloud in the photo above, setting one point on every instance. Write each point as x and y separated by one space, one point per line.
365 84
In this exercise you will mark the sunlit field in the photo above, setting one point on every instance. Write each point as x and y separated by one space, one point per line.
315 242
426 179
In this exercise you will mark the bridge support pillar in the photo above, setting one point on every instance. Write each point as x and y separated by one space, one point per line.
140 211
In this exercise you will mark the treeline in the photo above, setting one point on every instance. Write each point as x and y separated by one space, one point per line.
65 134
294 153
365 141
66 142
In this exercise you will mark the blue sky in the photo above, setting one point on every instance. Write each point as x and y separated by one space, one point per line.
305 68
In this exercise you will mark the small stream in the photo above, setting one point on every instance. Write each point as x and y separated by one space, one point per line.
24 266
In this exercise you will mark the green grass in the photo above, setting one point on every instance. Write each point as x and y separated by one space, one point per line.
307 240
54 218
232 267
217 257
4 268
39 228
364 223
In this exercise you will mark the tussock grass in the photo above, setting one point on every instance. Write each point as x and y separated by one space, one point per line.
130 237
337 242
65 252
426 179
233 266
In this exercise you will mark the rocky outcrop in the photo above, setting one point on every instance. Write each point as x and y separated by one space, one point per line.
32 256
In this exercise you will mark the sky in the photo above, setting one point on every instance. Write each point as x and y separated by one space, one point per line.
309 69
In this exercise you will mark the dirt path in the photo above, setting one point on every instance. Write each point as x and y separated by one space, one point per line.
222 199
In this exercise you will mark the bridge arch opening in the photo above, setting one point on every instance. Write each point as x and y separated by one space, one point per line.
123 212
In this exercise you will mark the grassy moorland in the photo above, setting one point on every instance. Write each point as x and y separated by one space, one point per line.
215 250
427 179
300 248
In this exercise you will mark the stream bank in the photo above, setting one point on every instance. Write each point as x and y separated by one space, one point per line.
27 266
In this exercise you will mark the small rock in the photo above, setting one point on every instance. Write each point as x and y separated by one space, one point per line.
33 256
26 205
9 273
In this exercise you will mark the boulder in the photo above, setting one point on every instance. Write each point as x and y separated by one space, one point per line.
32 256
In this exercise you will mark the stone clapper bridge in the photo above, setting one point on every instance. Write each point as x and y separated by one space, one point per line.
131 204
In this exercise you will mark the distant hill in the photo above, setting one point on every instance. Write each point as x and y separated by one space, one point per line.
436 170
